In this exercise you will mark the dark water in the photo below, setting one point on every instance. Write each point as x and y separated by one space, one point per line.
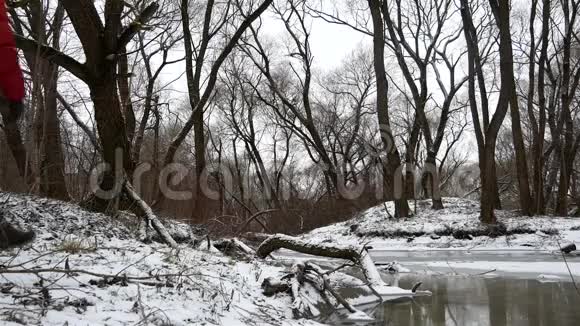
473 301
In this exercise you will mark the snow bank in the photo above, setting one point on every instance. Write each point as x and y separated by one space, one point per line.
456 226
87 268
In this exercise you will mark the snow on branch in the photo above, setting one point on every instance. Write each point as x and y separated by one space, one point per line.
147 212
358 255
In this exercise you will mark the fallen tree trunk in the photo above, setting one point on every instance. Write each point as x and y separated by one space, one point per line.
327 287
358 256
142 209
234 246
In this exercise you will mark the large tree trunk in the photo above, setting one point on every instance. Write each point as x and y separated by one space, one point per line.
393 159
357 255
489 193
488 185
567 91
491 200
526 201
539 205
501 12
111 129
52 164
430 179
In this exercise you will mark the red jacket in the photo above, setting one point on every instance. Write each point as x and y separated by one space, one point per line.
11 79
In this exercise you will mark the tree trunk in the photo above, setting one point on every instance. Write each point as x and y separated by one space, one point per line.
430 179
488 185
52 163
111 129
393 159
198 213
124 85
568 89
410 159
539 207
501 11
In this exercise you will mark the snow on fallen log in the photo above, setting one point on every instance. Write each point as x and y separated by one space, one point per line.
243 247
300 307
355 313
147 212
233 246
357 255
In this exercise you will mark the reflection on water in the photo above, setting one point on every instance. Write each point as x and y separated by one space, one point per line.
475 301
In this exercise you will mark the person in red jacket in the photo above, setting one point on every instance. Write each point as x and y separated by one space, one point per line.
11 79
11 97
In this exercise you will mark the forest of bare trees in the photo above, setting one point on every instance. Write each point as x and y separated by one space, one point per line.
218 111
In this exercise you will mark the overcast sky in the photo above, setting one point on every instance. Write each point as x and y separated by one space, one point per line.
330 44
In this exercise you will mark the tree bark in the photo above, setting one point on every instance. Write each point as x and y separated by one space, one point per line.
486 136
508 97
539 205
197 99
393 164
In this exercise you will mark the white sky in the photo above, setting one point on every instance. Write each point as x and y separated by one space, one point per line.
330 44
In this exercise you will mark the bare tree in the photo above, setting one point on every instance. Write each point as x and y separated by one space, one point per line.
196 60
417 38
392 167
570 78
48 152
487 135
508 97
302 111
102 43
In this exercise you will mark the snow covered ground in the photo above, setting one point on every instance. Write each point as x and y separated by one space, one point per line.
87 268
453 239
116 280
90 269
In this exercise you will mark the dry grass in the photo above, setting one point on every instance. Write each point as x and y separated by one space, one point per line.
75 246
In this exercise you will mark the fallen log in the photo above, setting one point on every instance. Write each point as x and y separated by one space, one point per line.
243 247
234 246
143 209
358 256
